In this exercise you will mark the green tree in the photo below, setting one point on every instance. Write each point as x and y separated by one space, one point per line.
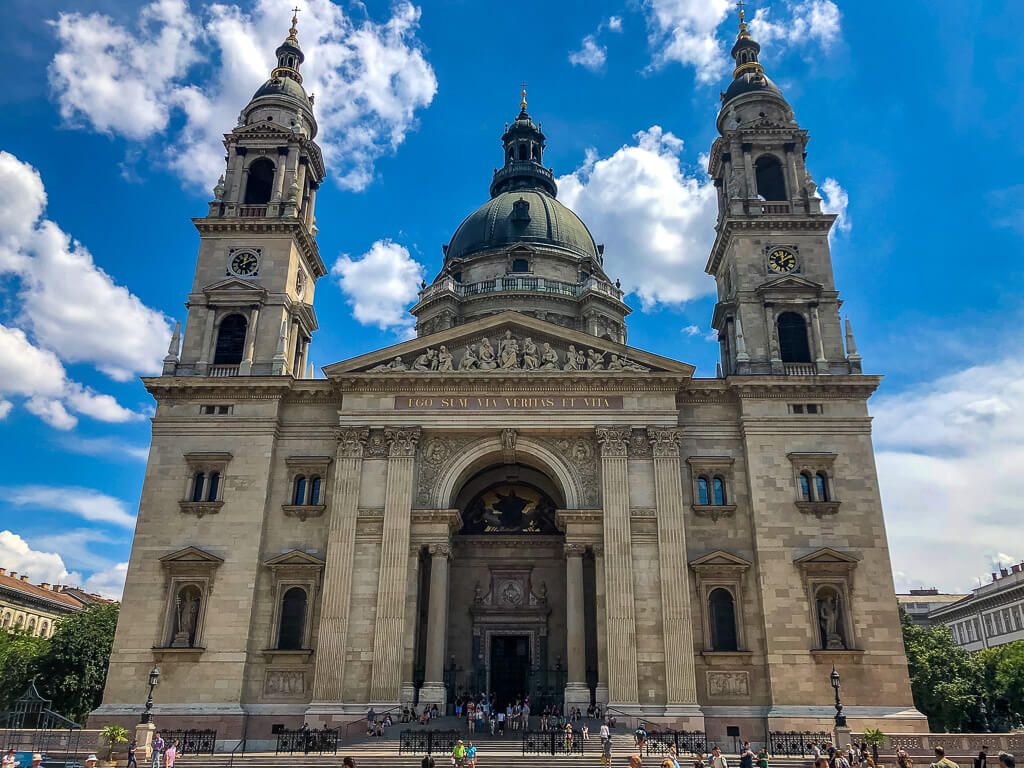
74 670
20 658
945 680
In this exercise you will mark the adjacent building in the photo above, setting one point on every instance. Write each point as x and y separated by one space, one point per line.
36 608
919 603
515 501
993 614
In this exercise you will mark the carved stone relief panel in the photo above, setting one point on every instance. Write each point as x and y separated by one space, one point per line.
728 683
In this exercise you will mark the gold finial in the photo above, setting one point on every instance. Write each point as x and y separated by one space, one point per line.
522 102
294 30
743 18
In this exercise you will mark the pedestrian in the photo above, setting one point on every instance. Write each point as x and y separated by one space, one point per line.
640 736
348 762
941 761
746 756
606 749
459 754
91 761
37 760
170 754
501 722
568 737
605 733
1006 760
427 761
471 754
982 759
10 759
585 730
132 762
635 761
718 759
903 759
158 749
762 757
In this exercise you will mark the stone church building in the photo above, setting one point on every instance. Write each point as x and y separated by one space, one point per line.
515 501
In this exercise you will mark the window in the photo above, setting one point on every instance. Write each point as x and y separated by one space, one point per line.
6 622
796 408
722 614
292 629
314 490
260 184
213 486
793 344
821 487
306 486
230 340
719 491
703 494
771 182
204 490
299 495
805 486
215 410
520 265
44 629
831 619
811 409
32 625
198 483
524 151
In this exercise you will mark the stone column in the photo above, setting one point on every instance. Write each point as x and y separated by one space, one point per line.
748 170
621 619
576 692
329 678
250 341
206 350
773 339
601 694
819 342
680 676
385 681
437 626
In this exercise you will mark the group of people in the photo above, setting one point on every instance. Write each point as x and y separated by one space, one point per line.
423 717
375 725
167 752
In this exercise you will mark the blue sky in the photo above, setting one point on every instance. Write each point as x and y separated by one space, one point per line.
115 112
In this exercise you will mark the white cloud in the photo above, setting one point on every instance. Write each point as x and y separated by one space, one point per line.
17 556
805 22
108 447
656 220
380 285
949 460
591 55
203 65
836 200
615 23
109 582
85 503
684 31
51 411
6 406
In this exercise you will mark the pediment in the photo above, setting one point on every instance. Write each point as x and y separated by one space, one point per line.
719 559
789 284
234 285
509 343
826 556
191 556
296 558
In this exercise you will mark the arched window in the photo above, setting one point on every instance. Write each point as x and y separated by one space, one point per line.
260 185
520 265
44 629
722 615
771 182
230 340
821 486
19 621
6 622
187 607
299 493
214 486
703 491
32 625
805 486
793 345
831 620
718 485
198 481
292 629
314 489
524 151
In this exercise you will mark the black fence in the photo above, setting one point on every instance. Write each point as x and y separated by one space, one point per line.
796 743
555 742
426 742
682 742
323 741
31 726
192 741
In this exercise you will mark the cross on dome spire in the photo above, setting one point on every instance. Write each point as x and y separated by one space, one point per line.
293 31
522 99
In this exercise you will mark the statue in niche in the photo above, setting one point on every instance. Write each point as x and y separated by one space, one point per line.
809 186
542 593
735 180
508 352
571 361
595 360
478 593
829 620
529 355
469 362
488 361
445 360
427 361
395 365
186 606
548 358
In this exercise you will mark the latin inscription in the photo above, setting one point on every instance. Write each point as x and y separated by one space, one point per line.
508 403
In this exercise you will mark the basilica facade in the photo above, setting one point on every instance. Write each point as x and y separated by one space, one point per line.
516 501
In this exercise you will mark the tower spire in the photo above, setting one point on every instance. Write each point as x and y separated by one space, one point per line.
522 98
293 31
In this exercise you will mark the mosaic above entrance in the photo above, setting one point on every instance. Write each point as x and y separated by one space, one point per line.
510 508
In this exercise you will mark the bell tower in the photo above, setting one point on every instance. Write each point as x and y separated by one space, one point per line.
250 311
778 308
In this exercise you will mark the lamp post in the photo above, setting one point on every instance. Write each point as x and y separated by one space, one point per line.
154 678
983 711
840 717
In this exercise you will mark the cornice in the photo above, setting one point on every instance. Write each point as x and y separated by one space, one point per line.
789 222
520 381
208 225
839 387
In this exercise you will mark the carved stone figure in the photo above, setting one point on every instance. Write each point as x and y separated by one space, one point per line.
469 362
828 618
571 361
445 360
542 592
735 180
186 606
426 361
529 354
809 186
548 358
394 365
508 352
629 365
595 360
615 364
488 361
478 594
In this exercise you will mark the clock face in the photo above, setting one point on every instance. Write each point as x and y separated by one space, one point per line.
245 263
300 283
782 260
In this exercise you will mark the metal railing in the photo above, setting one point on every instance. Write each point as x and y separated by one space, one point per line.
321 741
793 743
192 741
364 724
426 742
682 742
554 742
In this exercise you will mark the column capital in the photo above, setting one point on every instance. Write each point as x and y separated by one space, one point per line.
402 441
351 441
440 550
597 549
614 441
575 550
665 441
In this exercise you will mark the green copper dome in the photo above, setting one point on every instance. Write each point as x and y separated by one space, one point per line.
522 216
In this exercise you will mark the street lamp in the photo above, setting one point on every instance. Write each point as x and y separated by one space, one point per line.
154 678
840 717
983 711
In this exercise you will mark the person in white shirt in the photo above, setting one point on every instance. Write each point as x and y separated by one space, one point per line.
718 759
605 733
